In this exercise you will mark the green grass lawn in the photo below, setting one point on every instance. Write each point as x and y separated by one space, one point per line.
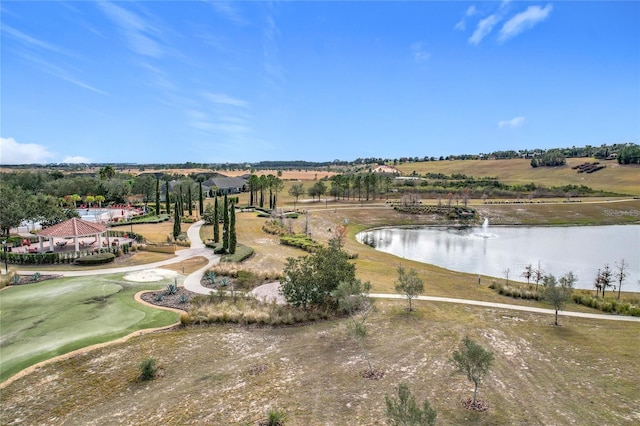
50 318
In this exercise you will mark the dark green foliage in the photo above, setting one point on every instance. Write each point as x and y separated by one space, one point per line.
189 201
310 280
167 197
551 158
232 229
183 298
157 196
404 410
96 259
472 360
300 241
225 224
201 201
176 222
216 222
629 154
148 369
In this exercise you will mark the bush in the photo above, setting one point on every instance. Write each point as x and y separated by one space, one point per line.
242 253
96 259
301 241
171 289
148 369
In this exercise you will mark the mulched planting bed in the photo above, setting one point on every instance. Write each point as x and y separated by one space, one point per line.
170 300
28 279
479 405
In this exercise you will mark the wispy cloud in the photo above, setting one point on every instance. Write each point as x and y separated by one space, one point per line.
13 152
272 66
524 21
140 35
229 11
419 52
485 26
61 73
221 98
510 124
461 25
31 41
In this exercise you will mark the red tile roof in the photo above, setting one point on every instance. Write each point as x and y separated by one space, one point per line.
73 227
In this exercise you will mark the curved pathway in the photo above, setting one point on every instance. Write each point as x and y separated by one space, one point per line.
271 291
191 282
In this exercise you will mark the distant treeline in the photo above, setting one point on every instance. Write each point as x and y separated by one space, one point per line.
625 153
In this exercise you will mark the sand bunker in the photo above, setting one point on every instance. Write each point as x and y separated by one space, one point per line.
150 275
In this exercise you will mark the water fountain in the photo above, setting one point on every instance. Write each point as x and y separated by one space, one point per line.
485 229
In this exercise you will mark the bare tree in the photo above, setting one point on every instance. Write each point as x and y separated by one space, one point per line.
506 273
621 274
528 273
538 274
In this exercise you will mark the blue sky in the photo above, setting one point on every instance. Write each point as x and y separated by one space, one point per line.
211 81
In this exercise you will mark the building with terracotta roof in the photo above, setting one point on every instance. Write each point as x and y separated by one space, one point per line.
73 228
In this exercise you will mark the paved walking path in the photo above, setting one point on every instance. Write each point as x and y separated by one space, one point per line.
271 290
191 283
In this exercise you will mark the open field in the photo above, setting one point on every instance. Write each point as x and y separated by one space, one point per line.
615 178
584 372
46 319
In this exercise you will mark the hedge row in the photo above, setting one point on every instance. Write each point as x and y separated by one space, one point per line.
300 241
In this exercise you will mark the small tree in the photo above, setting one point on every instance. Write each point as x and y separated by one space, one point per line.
296 190
559 295
621 274
606 278
472 360
506 274
189 201
353 299
148 369
528 273
409 284
405 411
538 274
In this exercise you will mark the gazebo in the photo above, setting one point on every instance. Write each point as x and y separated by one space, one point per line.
72 228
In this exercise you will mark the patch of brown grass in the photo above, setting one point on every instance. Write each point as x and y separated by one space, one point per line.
542 374
615 177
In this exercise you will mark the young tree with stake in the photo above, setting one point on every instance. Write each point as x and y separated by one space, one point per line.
472 360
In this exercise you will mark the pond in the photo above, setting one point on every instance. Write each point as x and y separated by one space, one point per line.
581 249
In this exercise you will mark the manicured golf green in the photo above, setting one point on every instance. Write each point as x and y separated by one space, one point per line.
50 318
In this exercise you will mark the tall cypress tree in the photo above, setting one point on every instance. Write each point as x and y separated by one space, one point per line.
189 200
157 195
167 197
180 199
232 228
201 201
176 223
216 222
225 224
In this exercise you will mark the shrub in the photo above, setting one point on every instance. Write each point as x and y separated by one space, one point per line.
159 297
275 417
171 289
300 241
183 298
148 369
96 259
35 277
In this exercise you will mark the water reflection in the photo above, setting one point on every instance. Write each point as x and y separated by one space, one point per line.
559 249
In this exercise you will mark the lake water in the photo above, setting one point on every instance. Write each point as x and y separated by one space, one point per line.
581 249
